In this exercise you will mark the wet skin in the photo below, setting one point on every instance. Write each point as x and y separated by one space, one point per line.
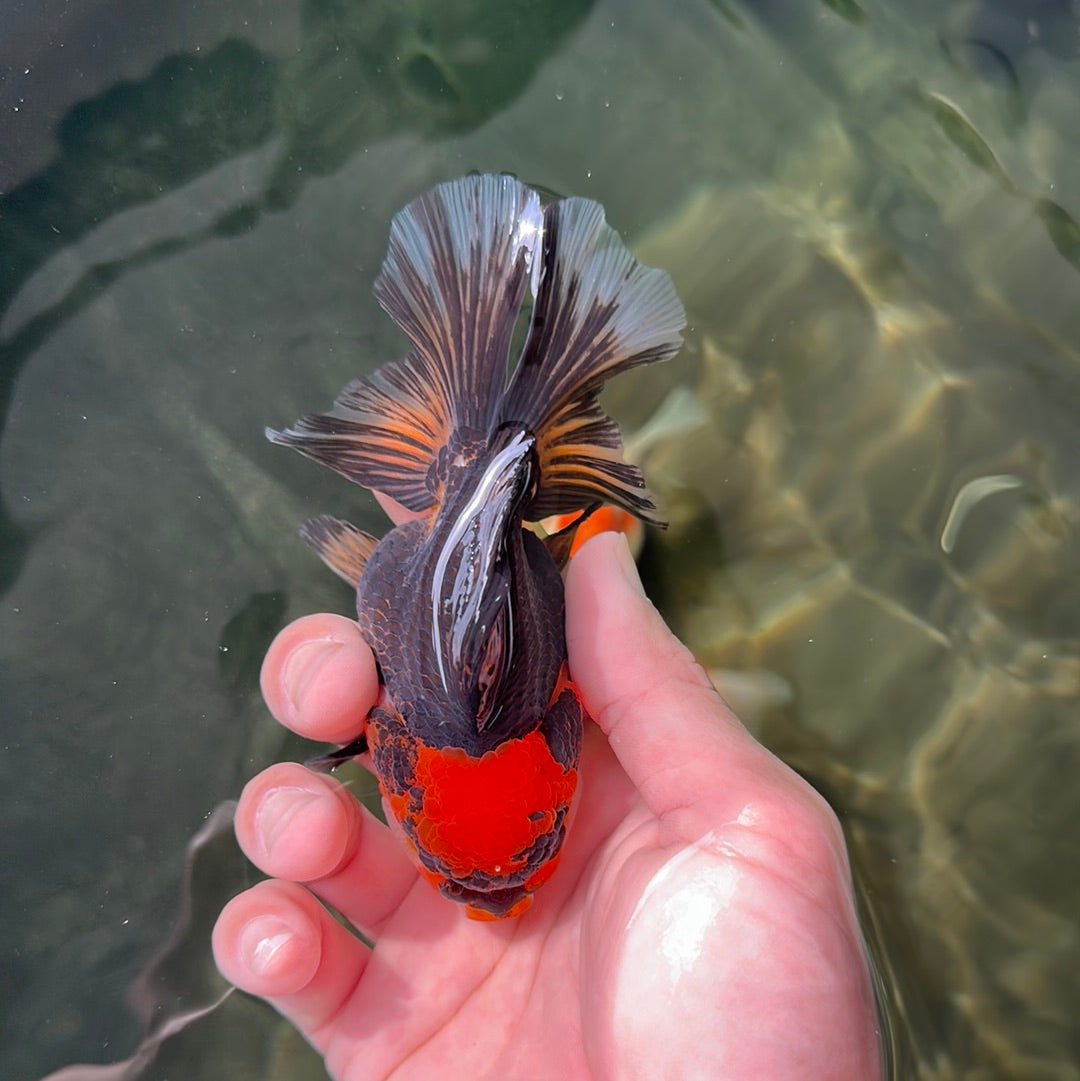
701 923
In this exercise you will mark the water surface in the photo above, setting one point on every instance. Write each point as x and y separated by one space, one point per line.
870 210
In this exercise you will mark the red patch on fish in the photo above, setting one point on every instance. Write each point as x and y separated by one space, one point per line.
523 788
487 828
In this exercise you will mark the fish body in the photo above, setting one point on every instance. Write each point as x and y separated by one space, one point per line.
477 733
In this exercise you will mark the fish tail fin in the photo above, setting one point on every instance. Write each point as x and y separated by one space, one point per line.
597 312
455 273
459 260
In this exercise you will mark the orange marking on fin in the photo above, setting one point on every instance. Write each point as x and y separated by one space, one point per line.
481 916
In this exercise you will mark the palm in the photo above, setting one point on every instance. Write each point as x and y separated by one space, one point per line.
700 923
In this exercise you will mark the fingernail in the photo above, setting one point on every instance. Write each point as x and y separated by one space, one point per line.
276 810
303 664
625 562
262 941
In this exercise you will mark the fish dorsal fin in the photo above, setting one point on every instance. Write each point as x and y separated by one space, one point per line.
340 545
458 261
598 312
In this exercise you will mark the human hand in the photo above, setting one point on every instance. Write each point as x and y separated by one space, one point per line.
701 923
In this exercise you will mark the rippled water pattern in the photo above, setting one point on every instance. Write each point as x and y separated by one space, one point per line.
870 460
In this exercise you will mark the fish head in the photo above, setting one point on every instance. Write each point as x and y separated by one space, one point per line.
486 826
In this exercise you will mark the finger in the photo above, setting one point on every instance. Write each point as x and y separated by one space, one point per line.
304 827
673 734
319 678
276 941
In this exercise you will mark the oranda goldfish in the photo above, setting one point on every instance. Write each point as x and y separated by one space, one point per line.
477 733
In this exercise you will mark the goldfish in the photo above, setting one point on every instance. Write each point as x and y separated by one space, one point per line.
476 736
605 519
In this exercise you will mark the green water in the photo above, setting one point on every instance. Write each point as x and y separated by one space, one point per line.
871 211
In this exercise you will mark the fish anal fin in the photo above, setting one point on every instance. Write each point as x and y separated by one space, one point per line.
327 763
340 545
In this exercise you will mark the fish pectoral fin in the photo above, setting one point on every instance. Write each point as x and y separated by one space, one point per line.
327 763
340 545
559 544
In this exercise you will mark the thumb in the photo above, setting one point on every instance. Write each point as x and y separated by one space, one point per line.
673 734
